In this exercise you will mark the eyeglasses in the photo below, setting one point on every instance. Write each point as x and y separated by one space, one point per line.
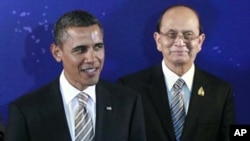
186 36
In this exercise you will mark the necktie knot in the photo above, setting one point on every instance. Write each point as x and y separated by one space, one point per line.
179 84
82 99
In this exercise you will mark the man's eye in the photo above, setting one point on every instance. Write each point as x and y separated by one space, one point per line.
188 35
97 47
172 35
80 49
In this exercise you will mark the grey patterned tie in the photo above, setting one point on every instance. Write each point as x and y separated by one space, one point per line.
177 109
83 123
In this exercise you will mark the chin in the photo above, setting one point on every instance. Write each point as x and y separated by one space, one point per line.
180 62
93 81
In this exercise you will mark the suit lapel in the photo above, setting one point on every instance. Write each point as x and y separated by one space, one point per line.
104 112
159 96
195 105
53 115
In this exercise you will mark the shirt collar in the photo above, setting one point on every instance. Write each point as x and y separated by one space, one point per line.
69 92
170 77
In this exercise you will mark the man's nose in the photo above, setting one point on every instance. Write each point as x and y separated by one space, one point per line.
90 56
180 40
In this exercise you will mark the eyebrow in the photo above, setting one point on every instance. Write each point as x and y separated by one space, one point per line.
183 31
99 44
85 46
79 47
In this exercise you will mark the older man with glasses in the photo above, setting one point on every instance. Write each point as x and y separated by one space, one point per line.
182 102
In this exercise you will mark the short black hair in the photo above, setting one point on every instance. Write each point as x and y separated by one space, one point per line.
76 18
158 26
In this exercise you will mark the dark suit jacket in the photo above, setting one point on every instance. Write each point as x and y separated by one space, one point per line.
1 129
40 116
208 116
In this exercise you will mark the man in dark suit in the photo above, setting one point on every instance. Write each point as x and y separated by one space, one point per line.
205 102
113 112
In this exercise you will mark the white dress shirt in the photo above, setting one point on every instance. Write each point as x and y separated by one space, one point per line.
170 78
70 102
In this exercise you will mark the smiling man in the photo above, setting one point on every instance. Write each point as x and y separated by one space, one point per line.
77 106
182 102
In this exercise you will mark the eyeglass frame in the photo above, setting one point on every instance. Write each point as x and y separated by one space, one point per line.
181 36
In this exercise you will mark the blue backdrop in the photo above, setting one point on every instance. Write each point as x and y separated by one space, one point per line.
26 34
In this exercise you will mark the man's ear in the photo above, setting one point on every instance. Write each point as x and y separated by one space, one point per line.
157 41
56 52
201 40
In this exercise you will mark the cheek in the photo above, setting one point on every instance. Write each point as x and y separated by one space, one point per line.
72 60
164 46
100 55
194 47
197 48
166 51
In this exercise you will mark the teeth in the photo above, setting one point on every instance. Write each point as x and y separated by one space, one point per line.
90 70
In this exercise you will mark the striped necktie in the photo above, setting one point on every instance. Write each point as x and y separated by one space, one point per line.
83 123
177 109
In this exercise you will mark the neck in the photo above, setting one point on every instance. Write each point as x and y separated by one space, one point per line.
179 69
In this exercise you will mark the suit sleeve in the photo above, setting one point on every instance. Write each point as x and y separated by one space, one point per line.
228 117
16 129
137 131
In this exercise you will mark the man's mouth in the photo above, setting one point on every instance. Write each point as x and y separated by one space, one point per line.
180 51
90 70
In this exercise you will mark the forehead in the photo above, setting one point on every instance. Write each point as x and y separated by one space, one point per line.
90 33
181 19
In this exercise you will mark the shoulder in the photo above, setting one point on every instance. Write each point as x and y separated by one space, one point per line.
144 75
210 76
211 79
37 96
116 90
